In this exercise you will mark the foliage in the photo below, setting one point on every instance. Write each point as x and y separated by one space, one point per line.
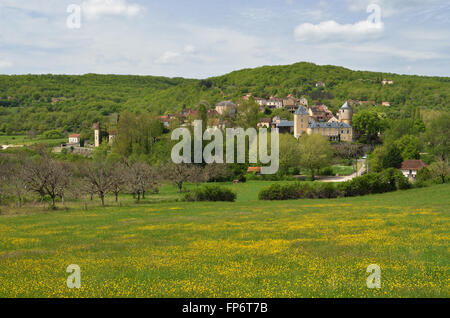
315 153
72 103
210 193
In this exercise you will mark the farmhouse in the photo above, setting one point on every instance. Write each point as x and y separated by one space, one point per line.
411 167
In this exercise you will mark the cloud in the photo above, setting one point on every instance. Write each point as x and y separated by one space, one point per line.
390 7
333 31
97 8
5 64
171 57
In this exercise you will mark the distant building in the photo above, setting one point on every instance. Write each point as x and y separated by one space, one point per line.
335 129
320 84
75 139
387 82
226 107
265 123
411 167
275 102
97 135
112 136
386 104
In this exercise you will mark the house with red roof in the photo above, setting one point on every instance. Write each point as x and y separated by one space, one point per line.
410 168
75 139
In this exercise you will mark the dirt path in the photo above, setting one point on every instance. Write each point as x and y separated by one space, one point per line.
361 171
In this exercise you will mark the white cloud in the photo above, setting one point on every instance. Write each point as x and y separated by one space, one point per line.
96 8
333 31
390 7
168 57
5 64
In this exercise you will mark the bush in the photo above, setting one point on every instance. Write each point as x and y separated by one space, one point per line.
210 193
52 134
297 190
328 171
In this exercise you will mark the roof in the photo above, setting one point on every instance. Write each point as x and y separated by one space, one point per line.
302 111
254 169
226 103
285 123
346 106
265 120
413 165
75 136
333 124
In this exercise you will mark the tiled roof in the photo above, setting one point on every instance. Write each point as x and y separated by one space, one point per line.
302 111
314 124
412 165
285 123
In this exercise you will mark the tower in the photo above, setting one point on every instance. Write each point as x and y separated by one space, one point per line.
301 121
96 134
346 114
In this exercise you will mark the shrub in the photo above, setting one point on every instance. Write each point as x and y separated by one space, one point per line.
210 193
52 134
328 171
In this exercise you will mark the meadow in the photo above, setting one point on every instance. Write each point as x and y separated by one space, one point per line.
249 248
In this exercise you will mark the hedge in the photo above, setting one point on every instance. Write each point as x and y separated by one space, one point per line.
386 181
210 193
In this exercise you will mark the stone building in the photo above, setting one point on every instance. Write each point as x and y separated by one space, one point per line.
336 129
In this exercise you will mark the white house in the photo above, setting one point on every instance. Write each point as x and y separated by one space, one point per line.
75 139
411 167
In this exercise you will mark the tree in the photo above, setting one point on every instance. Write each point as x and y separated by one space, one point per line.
315 152
437 136
368 126
248 114
180 173
409 146
140 178
376 159
118 179
47 176
440 169
14 178
98 178
393 158
290 153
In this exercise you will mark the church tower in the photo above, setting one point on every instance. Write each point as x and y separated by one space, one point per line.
301 121
97 135
346 114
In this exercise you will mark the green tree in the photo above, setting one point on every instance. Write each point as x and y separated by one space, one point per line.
315 153
368 126
393 158
409 146
437 136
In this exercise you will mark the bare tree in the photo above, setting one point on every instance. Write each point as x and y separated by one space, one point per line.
119 179
98 177
141 177
180 173
15 179
47 176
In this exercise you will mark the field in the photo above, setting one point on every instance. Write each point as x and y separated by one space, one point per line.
307 248
25 140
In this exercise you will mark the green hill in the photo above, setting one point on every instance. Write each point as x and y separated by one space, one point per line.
72 103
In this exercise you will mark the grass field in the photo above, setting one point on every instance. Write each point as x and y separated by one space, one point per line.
25 140
306 248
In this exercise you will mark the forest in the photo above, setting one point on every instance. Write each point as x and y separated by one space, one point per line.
35 104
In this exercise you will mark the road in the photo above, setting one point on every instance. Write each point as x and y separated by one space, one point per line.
361 171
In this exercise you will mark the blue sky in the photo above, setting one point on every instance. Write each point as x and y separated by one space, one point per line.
199 38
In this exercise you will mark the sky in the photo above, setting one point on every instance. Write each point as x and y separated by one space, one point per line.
203 38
